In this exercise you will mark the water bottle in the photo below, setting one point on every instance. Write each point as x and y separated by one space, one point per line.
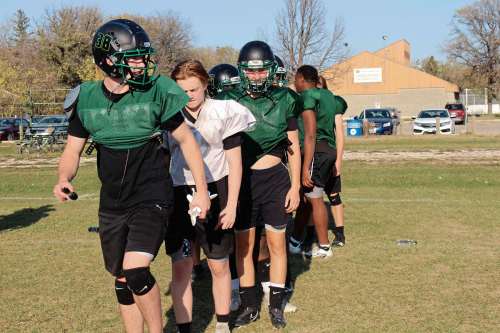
93 229
406 242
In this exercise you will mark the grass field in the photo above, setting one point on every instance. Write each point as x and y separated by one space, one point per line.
53 280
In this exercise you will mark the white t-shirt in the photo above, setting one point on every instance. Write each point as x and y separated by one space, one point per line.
217 120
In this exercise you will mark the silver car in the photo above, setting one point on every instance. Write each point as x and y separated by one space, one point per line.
56 125
426 122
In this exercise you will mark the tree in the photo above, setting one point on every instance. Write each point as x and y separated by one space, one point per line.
65 36
170 36
21 24
475 42
430 65
210 56
303 37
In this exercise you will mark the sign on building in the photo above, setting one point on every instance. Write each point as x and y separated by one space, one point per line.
368 75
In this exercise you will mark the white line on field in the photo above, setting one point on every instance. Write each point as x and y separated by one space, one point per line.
90 196
401 200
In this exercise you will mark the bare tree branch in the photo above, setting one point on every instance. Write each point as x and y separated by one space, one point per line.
475 42
302 35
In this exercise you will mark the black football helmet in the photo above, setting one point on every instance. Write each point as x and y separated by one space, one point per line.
280 78
223 77
256 55
119 40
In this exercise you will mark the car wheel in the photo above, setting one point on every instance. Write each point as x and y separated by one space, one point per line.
10 137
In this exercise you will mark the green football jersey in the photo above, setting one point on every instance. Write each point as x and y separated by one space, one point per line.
134 119
272 112
326 106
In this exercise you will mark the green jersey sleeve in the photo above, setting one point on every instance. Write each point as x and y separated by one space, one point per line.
173 99
296 105
309 100
341 105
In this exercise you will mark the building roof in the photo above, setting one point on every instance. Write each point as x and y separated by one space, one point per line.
386 71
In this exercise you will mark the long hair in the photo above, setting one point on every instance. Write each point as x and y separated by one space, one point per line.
190 68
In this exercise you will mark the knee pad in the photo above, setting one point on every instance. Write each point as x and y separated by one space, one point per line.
123 294
334 199
139 280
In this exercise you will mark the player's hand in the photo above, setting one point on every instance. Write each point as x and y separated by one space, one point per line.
338 167
226 218
201 200
59 190
306 178
292 200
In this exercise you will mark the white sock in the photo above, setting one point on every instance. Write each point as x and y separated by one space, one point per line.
265 286
277 285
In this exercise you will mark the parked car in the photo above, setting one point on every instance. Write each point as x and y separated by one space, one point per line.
57 124
9 128
380 120
425 122
37 118
457 112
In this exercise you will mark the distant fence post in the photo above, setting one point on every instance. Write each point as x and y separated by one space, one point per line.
365 127
438 125
472 121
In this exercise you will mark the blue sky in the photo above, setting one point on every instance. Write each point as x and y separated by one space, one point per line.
423 23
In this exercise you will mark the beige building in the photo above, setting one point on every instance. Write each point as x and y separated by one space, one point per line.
385 78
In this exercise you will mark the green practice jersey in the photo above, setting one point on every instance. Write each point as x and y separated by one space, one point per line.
326 106
272 112
134 119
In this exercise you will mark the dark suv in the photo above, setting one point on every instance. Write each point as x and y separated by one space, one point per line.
9 128
457 112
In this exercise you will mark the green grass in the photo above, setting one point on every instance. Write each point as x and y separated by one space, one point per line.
53 278
421 143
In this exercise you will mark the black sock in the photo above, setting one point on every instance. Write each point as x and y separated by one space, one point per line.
248 296
276 297
184 328
232 266
339 231
310 235
263 270
222 318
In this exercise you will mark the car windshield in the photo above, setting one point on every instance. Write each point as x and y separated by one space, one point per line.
433 114
5 122
375 113
455 107
51 120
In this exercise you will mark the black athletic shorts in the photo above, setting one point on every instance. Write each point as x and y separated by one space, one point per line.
324 172
216 243
141 228
262 198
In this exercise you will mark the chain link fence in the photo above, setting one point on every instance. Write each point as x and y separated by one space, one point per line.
476 101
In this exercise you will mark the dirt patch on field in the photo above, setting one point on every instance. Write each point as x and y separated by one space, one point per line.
479 156
456 156
37 162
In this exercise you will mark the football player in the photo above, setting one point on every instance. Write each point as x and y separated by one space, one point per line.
217 126
222 77
268 196
281 79
125 114
321 166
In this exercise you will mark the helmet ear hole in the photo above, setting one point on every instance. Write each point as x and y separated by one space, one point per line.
111 60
